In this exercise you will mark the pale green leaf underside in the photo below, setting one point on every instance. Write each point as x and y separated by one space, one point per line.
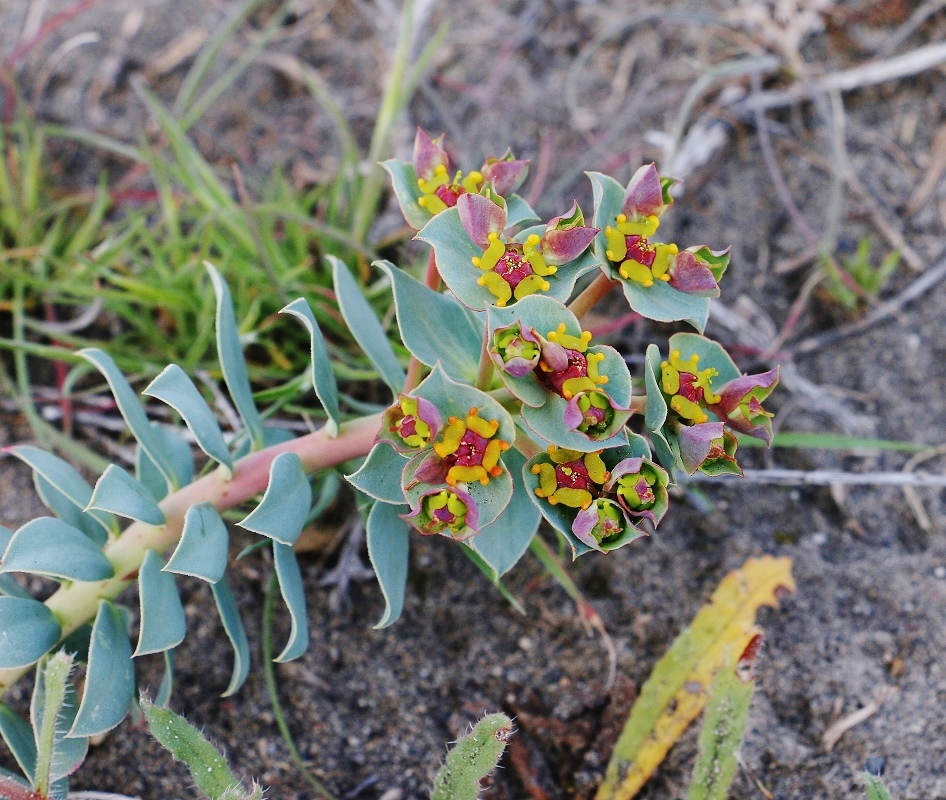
236 633
284 508
202 550
380 475
388 544
163 625
48 546
290 586
29 630
117 492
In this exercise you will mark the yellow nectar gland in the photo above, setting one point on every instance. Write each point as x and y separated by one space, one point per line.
670 371
491 255
579 471
453 437
569 341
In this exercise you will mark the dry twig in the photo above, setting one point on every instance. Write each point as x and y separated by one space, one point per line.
831 736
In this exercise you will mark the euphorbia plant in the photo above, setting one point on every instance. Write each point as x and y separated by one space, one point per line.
508 412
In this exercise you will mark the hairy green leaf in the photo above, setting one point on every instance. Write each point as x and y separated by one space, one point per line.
52 713
472 758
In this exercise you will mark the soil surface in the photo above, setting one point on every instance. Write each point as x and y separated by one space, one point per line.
600 85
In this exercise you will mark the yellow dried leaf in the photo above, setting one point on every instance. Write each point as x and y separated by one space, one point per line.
677 689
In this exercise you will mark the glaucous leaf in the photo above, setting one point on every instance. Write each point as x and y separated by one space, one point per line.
380 475
232 362
8 586
236 633
117 492
71 514
323 378
502 543
29 630
68 484
18 737
173 387
435 327
48 546
202 550
110 676
179 454
388 544
404 183
518 211
163 625
290 586
134 414
282 512
365 327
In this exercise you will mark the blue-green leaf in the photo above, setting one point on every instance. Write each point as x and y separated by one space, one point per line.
502 543
202 550
116 491
173 387
48 546
518 211
69 513
404 183
162 616
282 512
364 326
18 735
133 413
8 586
179 454
425 317
236 633
110 676
230 353
655 414
380 475
323 378
388 544
68 485
290 586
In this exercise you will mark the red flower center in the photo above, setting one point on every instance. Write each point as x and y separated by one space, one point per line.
574 475
513 268
577 368
639 250
470 452
449 193
690 388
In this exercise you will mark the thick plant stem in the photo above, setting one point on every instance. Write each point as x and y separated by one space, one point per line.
432 276
593 293
75 604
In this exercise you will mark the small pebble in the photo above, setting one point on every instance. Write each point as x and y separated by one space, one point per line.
939 572
875 765
820 538
525 643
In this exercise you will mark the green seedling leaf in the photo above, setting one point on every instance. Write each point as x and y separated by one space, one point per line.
503 542
290 586
233 625
179 454
388 544
675 693
51 472
724 725
380 476
875 788
117 492
162 616
424 318
202 550
173 387
8 586
134 415
323 378
183 741
110 676
364 326
283 511
659 302
18 736
472 758
48 546
230 352
52 713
